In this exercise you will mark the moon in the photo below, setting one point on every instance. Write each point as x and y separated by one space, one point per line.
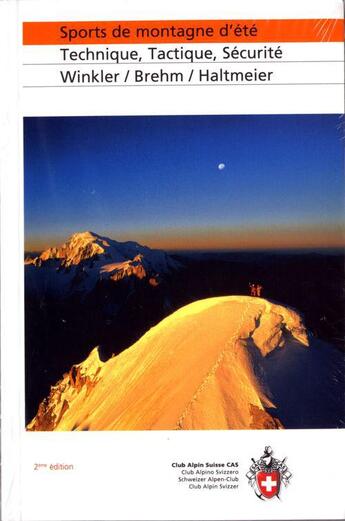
221 166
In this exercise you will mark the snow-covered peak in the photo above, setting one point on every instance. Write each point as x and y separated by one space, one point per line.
85 236
82 239
102 257
79 247
219 363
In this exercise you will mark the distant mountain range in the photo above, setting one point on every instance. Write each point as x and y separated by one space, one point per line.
87 258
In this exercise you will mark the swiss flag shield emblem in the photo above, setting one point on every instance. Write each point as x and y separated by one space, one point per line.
268 483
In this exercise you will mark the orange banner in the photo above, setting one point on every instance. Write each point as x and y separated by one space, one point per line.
182 31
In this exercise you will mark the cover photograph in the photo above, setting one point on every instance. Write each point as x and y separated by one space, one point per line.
172 261
230 318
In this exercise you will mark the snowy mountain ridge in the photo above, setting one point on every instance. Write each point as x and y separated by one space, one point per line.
218 363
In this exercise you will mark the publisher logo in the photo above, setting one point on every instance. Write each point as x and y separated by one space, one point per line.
266 475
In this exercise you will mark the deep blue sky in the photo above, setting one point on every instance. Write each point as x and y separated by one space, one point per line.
148 178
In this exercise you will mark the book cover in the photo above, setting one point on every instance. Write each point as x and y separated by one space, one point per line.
172 242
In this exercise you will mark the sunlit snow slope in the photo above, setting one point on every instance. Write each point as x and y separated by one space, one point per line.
217 363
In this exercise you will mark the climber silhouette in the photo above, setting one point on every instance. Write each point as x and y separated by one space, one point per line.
259 290
255 290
